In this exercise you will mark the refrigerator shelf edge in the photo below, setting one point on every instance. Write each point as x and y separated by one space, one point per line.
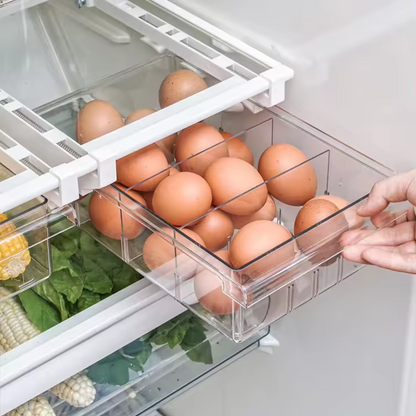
79 342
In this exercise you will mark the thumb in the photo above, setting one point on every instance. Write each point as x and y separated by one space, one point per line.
391 260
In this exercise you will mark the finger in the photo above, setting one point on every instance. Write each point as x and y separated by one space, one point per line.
355 253
395 189
385 259
390 236
390 219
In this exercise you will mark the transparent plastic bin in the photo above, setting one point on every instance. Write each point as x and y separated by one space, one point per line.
128 90
278 281
167 372
24 233
273 284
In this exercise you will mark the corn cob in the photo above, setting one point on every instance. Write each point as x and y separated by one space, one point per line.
38 406
14 256
16 328
77 390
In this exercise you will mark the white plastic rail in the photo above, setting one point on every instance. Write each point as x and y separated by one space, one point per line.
47 162
197 53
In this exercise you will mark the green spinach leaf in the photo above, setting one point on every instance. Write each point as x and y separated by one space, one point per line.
89 247
123 277
194 342
47 291
202 353
67 283
95 278
87 299
64 242
60 259
114 372
137 353
42 314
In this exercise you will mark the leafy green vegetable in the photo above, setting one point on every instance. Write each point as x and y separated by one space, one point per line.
91 248
47 291
137 353
41 313
113 369
201 353
60 259
123 277
95 278
67 245
87 299
84 273
166 332
185 330
68 284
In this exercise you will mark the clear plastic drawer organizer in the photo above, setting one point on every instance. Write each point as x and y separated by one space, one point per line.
24 243
281 286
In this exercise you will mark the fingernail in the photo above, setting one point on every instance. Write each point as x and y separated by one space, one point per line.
362 206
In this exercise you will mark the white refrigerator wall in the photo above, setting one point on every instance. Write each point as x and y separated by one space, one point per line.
340 355
354 65
349 351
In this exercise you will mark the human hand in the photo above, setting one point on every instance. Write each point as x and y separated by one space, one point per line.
393 247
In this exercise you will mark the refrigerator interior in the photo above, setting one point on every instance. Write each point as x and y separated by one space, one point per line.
53 64
354 66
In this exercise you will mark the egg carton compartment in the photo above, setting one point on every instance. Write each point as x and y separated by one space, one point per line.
279 276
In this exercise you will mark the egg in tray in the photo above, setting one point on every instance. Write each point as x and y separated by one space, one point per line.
240 228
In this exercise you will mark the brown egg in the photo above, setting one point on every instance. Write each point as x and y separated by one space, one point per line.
148 197
109 219
180 85
181 198
266 212
136 169
254 240
208 290
196 139
166 144
159 252
237 148
96 119
354 220
215 229
230 177
173 171
322 239
295 187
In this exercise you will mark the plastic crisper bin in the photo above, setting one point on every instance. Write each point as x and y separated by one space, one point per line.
25 259
264 290
24 246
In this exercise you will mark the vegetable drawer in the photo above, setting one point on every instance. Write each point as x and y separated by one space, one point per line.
153 369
